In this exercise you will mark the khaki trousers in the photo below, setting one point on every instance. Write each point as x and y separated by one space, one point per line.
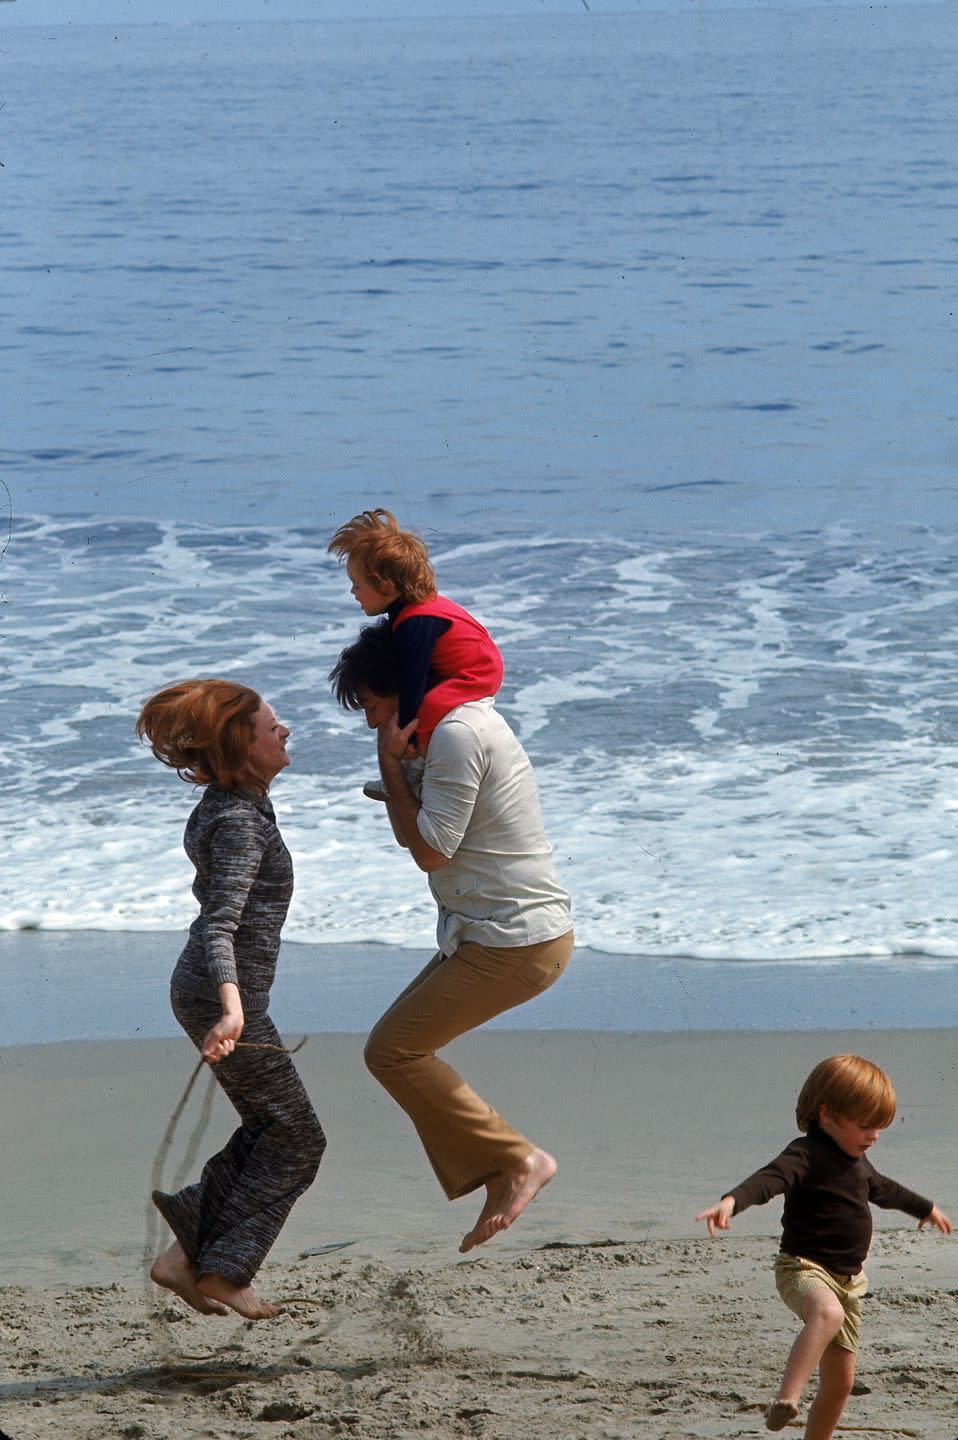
466 1141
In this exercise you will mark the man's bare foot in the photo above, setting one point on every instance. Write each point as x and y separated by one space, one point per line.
507 1195
779 1413
174 1272
240 1298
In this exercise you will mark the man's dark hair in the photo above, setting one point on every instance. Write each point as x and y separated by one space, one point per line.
369 663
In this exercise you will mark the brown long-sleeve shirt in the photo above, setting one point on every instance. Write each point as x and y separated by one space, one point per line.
827 1196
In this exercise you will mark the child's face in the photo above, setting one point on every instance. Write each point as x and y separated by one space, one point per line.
848 1135
373 601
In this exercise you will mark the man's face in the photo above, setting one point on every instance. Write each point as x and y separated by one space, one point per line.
378 709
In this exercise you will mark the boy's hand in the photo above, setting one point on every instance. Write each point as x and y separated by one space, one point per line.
718 1216
938 1218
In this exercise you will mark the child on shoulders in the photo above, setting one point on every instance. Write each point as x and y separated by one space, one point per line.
445 656
828 1183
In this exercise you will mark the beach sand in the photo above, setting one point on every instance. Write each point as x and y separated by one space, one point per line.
604 1312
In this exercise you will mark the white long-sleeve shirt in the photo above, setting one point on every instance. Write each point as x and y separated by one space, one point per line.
480 808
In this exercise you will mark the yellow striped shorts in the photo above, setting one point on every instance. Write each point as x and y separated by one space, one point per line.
796 1279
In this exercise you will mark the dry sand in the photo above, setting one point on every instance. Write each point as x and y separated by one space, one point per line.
601 1314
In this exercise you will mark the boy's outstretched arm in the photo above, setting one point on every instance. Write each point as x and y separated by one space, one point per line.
938 1218
718 1217
776 1178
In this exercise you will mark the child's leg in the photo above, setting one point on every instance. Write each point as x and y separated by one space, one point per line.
824 1316
836 1374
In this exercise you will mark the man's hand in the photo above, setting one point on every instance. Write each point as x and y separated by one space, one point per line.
393 741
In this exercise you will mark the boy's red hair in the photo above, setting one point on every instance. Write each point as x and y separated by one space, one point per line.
849 1088
389 558
203 729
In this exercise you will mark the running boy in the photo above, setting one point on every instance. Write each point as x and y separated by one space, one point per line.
826 1228
445 656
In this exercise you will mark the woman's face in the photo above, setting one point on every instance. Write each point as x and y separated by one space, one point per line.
267 753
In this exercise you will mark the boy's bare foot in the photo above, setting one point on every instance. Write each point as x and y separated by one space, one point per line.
174 1272
779 1413
240 1298
507 1195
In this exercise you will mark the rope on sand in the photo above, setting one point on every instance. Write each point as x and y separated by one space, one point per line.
177 1362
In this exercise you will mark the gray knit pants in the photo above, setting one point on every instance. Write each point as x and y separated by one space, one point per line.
227 1222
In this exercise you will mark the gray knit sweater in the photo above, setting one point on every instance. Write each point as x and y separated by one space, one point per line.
244 881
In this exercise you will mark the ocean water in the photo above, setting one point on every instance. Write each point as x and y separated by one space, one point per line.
645 322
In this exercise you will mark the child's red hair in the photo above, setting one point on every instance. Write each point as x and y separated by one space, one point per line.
390 558
849 1088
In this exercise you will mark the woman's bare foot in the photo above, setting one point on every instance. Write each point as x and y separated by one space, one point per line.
507 1195
240 1298
174 1272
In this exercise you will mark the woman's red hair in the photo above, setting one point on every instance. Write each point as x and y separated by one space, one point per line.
389 558
203 729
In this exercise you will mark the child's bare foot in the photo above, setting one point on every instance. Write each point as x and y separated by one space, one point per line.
507 1195
779 1413
174 1272
241 1298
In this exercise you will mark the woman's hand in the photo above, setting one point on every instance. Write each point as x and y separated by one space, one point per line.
718 1216
221 1039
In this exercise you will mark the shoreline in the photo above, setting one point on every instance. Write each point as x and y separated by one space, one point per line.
113 985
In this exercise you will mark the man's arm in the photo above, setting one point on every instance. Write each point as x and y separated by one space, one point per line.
401 804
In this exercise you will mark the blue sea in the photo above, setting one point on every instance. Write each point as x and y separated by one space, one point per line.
645 322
